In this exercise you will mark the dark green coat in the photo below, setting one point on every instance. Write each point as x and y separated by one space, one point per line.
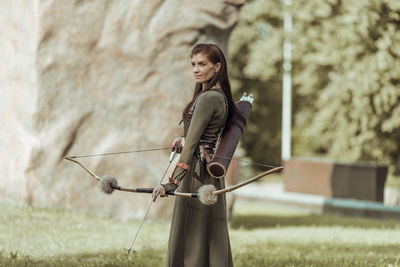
199 233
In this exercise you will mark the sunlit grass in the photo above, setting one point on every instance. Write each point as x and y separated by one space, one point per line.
37 232
261 235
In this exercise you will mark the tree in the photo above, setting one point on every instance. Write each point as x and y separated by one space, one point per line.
346 76
256 58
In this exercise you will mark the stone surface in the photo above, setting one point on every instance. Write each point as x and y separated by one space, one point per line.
87 77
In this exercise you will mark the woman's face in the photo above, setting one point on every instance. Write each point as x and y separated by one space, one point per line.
203 69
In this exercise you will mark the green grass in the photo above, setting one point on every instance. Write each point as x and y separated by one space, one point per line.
257 215
261 235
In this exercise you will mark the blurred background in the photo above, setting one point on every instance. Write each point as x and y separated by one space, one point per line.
89 77
342 60
345 79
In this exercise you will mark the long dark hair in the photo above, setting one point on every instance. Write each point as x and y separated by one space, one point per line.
215 55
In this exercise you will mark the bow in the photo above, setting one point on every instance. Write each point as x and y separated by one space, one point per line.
207 194
112 182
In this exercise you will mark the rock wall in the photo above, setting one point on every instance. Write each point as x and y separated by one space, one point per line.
18 94
87 77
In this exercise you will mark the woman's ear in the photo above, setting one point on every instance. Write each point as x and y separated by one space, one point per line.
217 66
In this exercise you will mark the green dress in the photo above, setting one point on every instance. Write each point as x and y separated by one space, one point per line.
199 233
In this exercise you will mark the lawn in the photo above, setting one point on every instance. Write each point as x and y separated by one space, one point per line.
261 235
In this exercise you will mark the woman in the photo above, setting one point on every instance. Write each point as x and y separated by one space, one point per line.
199 233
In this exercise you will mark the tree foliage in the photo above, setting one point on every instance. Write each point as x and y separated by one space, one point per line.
256 58
346 78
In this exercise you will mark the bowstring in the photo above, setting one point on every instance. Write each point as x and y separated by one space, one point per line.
245 161
120 152
168 148
147 211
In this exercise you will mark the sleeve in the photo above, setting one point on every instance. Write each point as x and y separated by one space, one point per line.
203 112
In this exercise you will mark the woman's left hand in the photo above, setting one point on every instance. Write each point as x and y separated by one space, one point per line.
159 191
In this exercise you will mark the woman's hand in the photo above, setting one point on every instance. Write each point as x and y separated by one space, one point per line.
159 191
178 144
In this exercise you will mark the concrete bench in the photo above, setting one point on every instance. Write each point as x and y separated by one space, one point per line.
362 181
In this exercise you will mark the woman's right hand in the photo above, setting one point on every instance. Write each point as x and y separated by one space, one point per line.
178 144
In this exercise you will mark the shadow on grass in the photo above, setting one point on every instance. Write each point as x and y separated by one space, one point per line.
254 255
267 221
269 254
145 257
